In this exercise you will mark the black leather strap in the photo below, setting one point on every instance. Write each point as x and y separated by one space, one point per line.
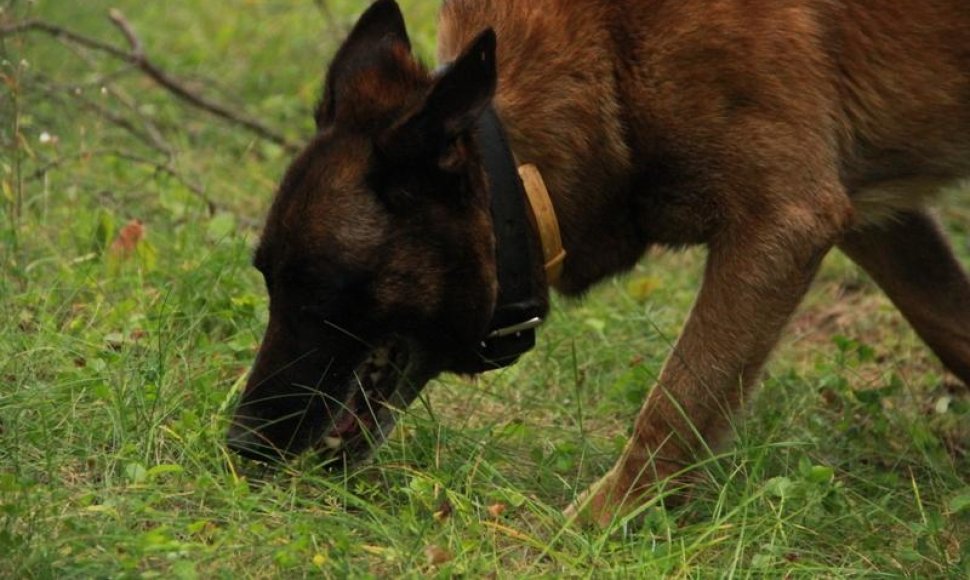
519 309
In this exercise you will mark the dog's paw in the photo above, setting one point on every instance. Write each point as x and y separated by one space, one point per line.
601 504
614 498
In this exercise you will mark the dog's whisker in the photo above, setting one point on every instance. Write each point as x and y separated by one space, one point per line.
276 372
277 397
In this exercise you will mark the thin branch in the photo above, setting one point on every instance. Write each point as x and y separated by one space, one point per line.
164 168
335 28
118 18
64 34
137 57
212 207
149 132
324 7
158 167
62 94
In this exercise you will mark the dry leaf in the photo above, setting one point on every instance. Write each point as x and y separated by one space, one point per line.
128 238
437 555
497 509
641 287
444 511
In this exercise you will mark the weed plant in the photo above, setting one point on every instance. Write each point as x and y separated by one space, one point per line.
119 365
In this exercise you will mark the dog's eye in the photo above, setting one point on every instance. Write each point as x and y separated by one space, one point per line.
337 296
316 309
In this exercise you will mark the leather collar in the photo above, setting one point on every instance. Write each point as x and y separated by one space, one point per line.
521 301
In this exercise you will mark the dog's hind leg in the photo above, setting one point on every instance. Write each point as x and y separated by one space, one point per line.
912 262
756 276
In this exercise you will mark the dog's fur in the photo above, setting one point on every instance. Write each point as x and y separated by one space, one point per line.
768 130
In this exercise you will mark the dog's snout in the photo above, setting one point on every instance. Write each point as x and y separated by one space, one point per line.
245 440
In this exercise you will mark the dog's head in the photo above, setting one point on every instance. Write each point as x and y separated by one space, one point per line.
378 250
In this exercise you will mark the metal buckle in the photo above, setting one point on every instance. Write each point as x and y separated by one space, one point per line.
530 324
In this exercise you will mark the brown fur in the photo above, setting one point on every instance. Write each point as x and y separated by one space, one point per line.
768 130
752 127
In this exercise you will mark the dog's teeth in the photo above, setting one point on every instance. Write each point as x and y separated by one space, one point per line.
333 442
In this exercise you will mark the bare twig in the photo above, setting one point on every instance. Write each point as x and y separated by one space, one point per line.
158 167
149 132
61 93
137 57
118 18
332 23
324 7
65 34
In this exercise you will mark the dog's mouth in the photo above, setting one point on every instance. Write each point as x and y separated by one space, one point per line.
385 383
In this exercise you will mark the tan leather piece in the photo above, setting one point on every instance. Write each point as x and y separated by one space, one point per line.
544 220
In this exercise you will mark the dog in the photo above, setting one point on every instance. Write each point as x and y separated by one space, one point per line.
769 131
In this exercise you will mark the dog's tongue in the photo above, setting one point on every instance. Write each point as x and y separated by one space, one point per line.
346 424
352 419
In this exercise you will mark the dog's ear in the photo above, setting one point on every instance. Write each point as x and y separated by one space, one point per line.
380 26
452 106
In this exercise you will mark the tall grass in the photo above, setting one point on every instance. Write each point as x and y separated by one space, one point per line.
118 371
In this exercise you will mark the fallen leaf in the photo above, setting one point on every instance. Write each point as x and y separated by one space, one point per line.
114 340
642 287
437 555
128 239
444 511
497 509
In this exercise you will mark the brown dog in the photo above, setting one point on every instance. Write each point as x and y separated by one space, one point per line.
769 130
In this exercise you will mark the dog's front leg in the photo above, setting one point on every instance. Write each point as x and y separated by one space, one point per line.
753 281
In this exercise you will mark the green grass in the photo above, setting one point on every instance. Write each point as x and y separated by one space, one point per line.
117 375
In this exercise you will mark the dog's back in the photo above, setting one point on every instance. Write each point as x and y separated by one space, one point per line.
904 89
886 85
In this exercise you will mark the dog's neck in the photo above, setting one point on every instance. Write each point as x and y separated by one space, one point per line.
564 117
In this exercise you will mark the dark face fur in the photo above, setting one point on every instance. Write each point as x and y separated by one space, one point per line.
378 251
